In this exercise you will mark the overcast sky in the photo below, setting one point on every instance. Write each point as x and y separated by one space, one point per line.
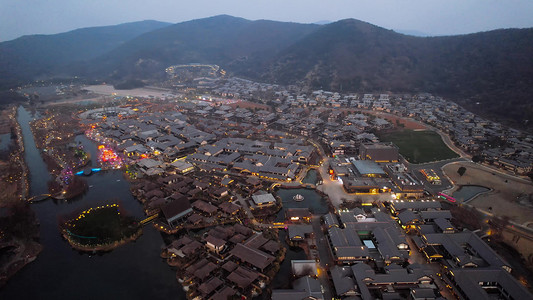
436 17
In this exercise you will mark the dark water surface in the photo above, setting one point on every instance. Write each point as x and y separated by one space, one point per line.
133 271
312 200
310 177
467 192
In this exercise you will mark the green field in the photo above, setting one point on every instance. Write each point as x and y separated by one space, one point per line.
419 146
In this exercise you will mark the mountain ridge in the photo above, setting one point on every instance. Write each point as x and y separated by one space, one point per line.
32 56
494 68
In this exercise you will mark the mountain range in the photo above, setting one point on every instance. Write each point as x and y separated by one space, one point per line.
488 72
43 56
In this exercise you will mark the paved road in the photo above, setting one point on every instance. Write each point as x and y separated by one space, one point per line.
437 167
325 258
332 188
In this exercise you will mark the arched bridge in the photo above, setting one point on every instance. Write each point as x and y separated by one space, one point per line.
38 198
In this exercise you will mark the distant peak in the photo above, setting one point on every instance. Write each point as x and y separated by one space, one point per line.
323 22
226 17
413 32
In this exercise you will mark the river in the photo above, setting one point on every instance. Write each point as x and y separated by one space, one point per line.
133 271
317 205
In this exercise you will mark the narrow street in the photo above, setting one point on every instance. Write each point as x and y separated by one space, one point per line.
417 257
245 206
325 258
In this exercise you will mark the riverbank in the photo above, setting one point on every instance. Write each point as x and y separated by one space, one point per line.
23 253
100 247
54 135
13 169
59 271
102 228
19 231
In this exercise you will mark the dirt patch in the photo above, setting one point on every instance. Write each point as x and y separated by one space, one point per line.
395 120
407 124
145 92
507 192
248 105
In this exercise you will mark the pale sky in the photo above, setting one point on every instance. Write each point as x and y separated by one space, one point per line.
435 17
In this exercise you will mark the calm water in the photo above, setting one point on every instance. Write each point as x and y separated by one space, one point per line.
310 177
316 204
38 173
132 271
467 192
284 278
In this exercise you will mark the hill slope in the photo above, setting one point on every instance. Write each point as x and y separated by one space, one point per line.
494 68
34 56
240 45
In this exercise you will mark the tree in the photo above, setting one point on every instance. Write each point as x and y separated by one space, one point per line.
468 217
461 171
477 158
530 175
497 225
307 270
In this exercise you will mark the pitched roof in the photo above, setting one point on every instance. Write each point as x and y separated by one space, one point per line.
175 209
256 258
209 286
243 277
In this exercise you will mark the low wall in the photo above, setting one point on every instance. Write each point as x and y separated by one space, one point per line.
521 240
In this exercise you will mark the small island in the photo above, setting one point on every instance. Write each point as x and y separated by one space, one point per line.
101 228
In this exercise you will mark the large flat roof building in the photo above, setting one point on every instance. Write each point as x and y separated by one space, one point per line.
368 168
379 152
303 288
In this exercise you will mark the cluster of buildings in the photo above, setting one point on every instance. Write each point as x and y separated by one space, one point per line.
268 160
184 201
376 170
239 88
213 138
500 146
398 254
494 143
467 263
497 145
193 156
225 262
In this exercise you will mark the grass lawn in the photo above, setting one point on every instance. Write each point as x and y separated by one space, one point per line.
419 146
